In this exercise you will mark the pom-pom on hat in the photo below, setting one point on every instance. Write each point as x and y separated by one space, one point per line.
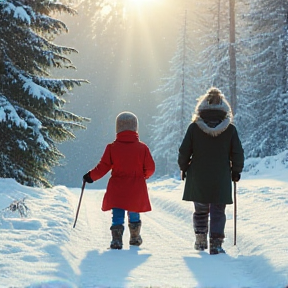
214 96
126 121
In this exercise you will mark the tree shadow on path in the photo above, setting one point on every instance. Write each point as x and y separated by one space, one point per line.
110 268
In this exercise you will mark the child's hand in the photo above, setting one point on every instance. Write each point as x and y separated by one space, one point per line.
87 178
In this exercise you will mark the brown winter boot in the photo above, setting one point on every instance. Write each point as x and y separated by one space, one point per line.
135 238
117 233
201 241
215 246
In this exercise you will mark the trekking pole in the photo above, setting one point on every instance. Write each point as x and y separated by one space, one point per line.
82 190
235 212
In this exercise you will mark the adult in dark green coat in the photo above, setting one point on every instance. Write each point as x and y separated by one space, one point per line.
210 155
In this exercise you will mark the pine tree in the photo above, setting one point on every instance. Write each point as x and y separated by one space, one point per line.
175 112
213 38
32 115
262 78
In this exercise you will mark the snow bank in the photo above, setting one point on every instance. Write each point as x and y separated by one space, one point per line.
42 250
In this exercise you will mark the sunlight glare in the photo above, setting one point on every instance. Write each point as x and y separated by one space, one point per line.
140 2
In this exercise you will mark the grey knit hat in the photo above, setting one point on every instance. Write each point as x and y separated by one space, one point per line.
126 121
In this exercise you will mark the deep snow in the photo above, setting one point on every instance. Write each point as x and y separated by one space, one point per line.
43 250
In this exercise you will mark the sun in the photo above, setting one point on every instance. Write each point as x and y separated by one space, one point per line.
140 2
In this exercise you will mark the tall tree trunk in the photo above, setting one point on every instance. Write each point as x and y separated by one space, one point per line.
285 56
183 74
232 55
216 80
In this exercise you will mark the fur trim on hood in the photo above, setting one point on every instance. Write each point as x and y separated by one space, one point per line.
205 105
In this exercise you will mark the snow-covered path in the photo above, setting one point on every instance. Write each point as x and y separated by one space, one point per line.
165 259
45 251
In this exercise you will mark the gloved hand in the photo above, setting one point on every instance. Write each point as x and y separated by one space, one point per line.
183 175
87 178
235 176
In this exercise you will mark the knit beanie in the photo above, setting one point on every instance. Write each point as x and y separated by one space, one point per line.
126 121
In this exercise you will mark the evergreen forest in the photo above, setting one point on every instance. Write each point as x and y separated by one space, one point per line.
154 60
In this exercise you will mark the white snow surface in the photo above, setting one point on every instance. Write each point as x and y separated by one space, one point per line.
43 250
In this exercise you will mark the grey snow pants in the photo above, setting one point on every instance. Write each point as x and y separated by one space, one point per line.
217 219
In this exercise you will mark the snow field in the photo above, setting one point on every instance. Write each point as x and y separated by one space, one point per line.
44 251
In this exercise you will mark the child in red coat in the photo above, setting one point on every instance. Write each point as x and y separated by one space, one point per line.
131 163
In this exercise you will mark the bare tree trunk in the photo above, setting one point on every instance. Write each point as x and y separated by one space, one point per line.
232 55
183 74
285 55
216 80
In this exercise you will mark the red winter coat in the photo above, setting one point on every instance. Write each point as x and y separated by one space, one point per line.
131 163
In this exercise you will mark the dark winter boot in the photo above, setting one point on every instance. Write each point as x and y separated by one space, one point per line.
135 238
215 246
201 241
117 233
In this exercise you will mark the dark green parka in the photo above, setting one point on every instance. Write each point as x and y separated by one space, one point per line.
210 150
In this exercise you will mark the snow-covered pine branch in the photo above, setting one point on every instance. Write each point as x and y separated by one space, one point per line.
32 115
175 112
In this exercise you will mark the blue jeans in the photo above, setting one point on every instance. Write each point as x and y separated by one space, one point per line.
217 219
119 214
